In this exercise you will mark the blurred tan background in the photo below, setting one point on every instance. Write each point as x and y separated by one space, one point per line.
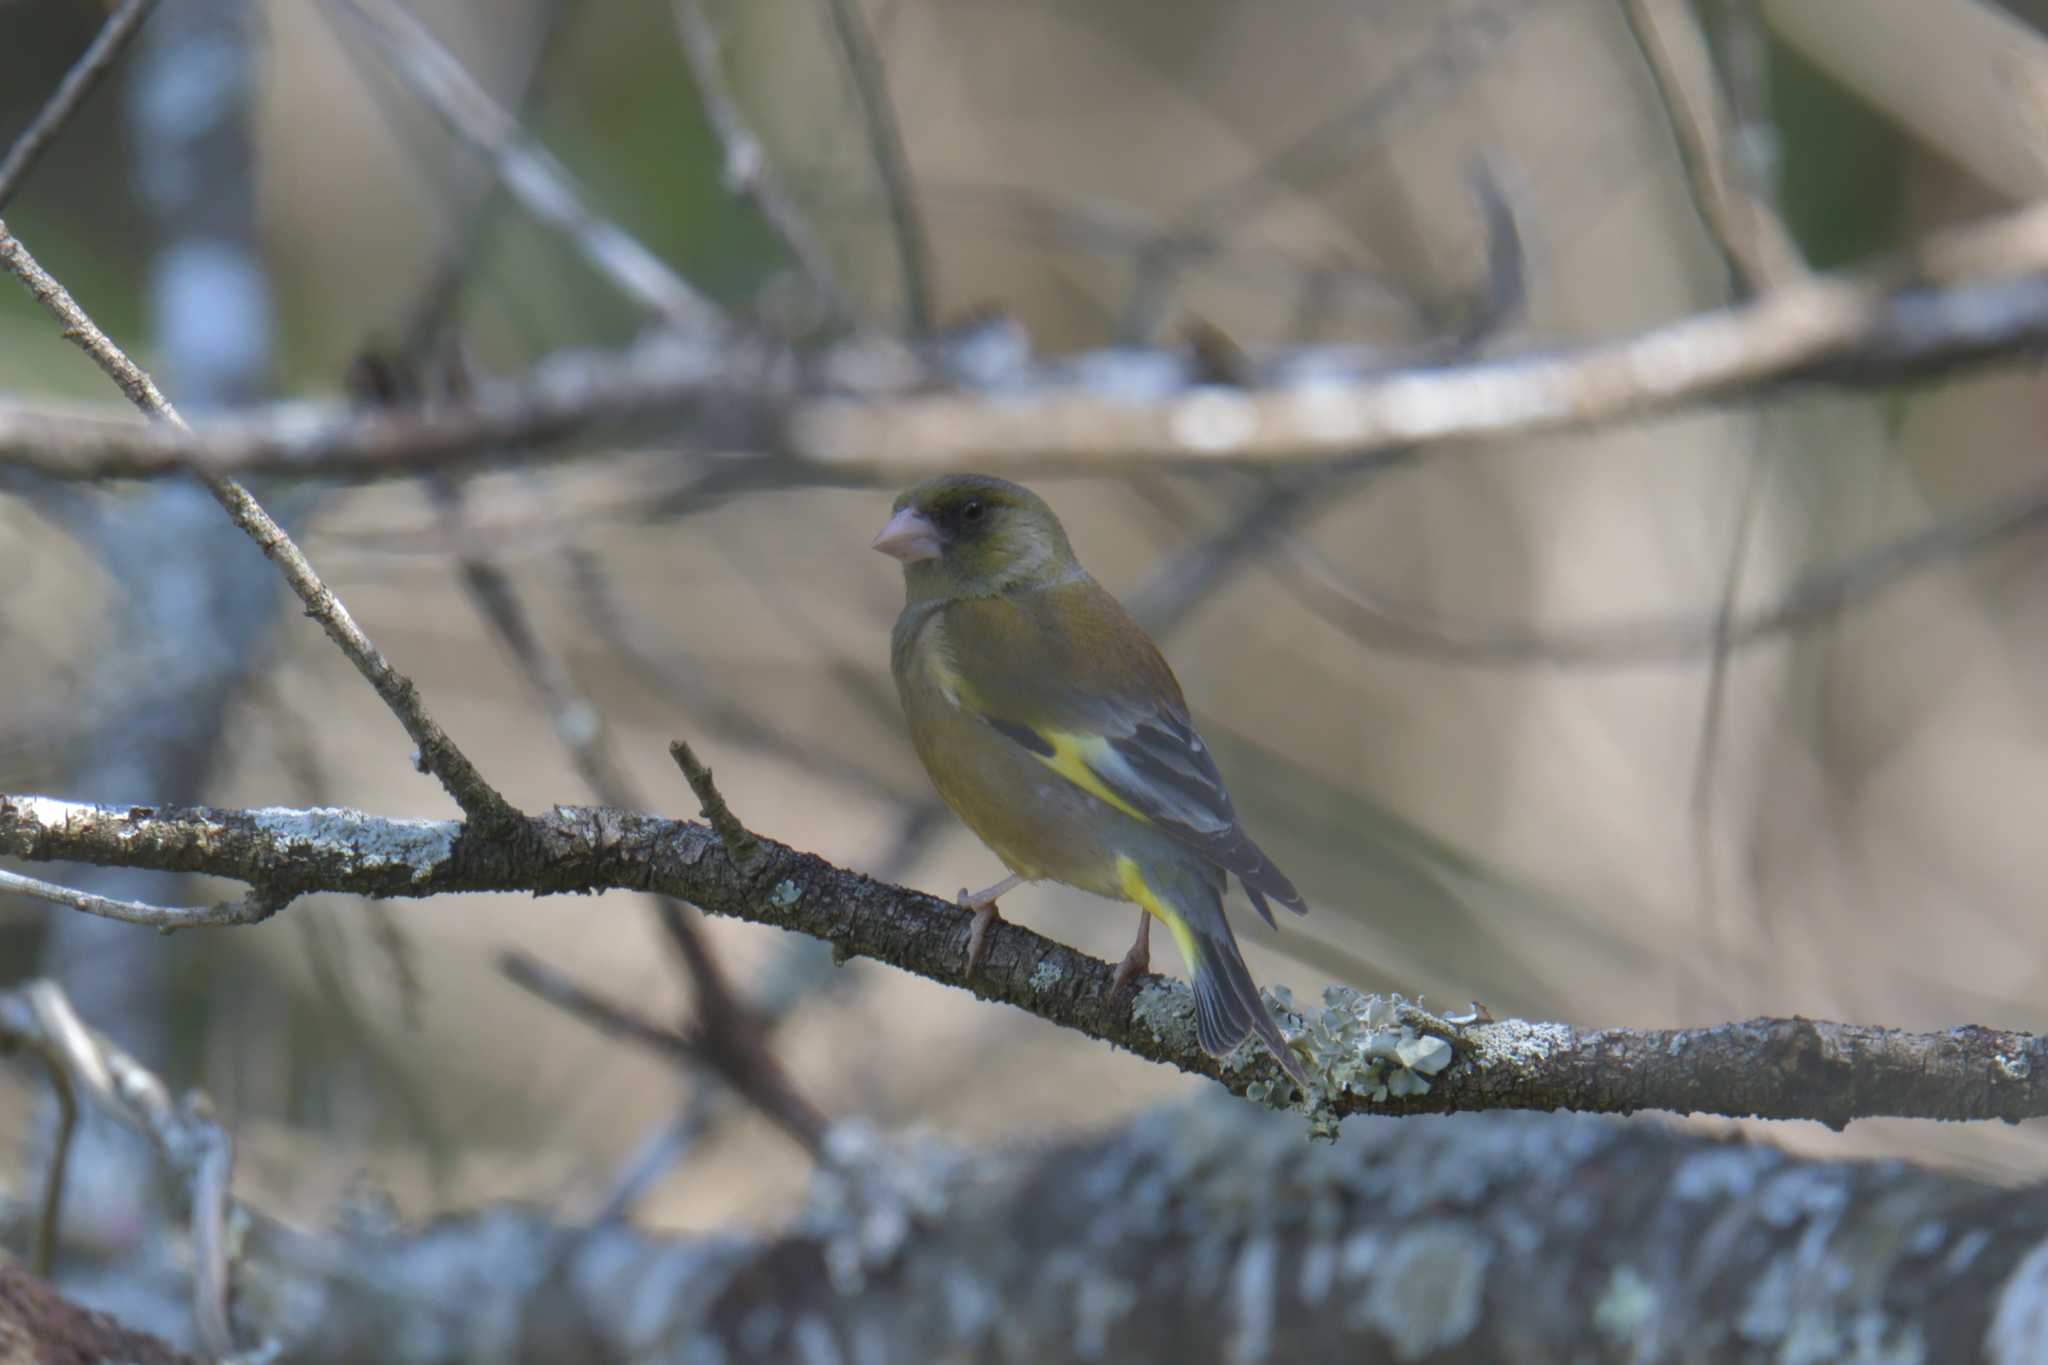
1843 826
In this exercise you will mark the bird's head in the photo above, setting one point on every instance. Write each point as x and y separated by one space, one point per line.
971 535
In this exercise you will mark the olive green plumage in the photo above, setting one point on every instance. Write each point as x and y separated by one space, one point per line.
1052 726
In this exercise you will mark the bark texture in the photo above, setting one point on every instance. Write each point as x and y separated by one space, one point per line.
39 1326
1214 1233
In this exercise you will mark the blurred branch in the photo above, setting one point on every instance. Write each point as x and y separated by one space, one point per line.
44 1326
1440 68
733 722
1212 1232
541 184
772 1094
85 74
747 173
1814 596
437 753
731 1036
196 1149
892 159
1192 576
1760 252
1969 295
49 1218
471 199
1369 1055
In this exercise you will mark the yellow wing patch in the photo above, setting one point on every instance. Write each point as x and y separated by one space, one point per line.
1069 758
1132 879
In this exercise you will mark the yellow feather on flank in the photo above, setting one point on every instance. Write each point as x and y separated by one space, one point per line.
938 659
1069 761
1132 880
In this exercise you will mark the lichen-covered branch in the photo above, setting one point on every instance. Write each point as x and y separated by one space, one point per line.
1206 1231
1369 1055
1210 1232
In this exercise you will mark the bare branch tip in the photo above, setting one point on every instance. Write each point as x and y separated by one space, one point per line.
740 844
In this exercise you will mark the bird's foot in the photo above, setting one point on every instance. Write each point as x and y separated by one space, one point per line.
985 918
1138 960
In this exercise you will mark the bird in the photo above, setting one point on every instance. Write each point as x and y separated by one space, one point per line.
1055 729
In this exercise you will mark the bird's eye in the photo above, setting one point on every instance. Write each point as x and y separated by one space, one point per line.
972 510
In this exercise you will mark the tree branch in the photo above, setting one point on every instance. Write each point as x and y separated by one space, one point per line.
438 754
1368 1055
253 908
746 172
196 1149
541 184
93 64
1758 248
1200 1231
892 159
1971 295
1210 1232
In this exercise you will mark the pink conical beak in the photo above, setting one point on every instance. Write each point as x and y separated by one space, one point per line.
910 537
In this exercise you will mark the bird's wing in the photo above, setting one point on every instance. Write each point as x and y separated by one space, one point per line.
1066 674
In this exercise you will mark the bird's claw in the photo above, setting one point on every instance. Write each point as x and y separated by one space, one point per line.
985 918
1135 964
1138 960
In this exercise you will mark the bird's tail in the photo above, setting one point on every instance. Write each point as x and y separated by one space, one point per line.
1227 1003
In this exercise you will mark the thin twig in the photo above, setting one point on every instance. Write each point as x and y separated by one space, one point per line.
1760 252
437 753
613 1020
50 1218
1815 596
747 173
85 73
213 1165
541 184
429 312
658 1152
1437 72
740 844
731 1035
768 1090
253 908
733 722
892 158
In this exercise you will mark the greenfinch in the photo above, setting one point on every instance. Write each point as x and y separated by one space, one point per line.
1052 726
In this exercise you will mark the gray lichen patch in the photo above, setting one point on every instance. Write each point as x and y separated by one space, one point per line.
872 1192
2019 1325
372 843
1517 1043
1626 1312
1791 1307
1046 974
1370 1046
1427 1292
1167 1008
